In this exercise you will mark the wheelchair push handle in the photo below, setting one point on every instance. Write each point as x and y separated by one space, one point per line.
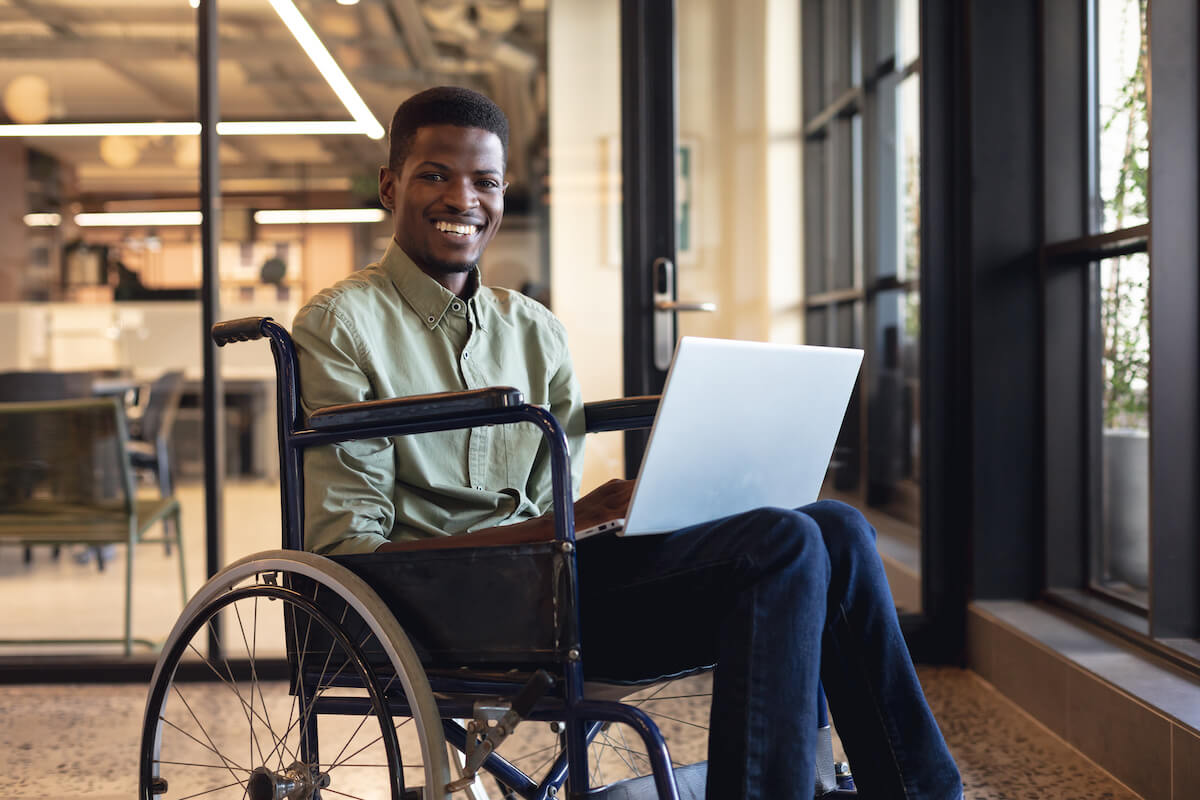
246 329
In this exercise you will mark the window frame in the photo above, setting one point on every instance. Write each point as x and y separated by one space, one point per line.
1068 274
937 632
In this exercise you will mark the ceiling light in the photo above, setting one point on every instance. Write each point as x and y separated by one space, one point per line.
312 128
27 99
194 3
121 152
347 2
104 129
337 80
317 215
135 219
49 220
283 128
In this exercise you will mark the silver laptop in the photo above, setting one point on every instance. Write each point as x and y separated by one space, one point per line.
741 425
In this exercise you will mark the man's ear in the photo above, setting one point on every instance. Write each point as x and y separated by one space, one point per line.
387 189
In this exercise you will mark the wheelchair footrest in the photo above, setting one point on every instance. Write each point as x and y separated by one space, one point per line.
690 780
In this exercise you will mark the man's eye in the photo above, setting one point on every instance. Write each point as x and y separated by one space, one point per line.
488 184
433 176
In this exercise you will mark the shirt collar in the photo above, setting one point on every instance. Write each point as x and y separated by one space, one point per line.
426 296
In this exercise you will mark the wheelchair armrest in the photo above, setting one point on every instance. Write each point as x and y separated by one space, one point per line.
626 413
416 409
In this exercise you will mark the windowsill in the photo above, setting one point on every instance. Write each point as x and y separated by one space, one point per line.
1158 685
1135 715
1129 627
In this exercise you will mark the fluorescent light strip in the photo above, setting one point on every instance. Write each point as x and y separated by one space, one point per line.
49 220
288 128
310 128
134 219
317 215
337 80
104 129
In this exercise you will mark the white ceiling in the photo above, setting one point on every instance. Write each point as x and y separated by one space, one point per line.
134 60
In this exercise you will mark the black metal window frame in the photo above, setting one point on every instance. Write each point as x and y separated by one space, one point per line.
843 39
1070 255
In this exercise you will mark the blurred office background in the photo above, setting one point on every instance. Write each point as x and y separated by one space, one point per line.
962 189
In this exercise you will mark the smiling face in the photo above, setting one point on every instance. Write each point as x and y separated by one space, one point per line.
447 199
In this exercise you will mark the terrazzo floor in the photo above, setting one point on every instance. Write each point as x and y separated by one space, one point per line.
71 741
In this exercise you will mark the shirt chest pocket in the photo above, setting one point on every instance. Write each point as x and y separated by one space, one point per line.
521 443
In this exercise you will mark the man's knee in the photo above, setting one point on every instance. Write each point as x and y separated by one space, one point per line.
843 527
781 534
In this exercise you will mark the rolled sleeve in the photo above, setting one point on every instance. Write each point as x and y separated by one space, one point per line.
566 404
348 505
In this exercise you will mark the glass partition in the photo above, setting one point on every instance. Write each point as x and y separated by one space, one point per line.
99 150
102 273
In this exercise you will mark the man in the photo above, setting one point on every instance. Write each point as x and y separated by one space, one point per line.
774 596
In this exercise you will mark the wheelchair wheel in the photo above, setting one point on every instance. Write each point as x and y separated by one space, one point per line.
680 709
245 725
678 706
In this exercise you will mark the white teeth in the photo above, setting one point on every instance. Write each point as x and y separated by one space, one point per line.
450 227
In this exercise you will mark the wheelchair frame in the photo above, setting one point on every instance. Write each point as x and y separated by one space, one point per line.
581 717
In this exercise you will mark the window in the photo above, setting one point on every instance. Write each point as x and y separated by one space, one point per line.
862 258
1109 256
1120 540
1119 284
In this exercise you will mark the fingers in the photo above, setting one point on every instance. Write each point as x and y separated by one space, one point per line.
608 501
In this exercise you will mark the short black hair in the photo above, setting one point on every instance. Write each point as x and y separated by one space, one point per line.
443 105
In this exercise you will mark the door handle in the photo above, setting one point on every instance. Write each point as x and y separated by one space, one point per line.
665 307
672 305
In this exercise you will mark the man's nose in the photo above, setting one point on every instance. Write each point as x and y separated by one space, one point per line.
460 195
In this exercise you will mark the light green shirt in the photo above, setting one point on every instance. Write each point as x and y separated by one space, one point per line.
391 331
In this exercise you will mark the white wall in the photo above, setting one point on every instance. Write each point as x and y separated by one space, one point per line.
585 276
739 104
739 110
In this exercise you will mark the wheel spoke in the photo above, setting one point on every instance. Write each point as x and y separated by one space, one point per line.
324 667
202 744
350 739
210 791
201 748
547 761
681 721
254 672
532 753
607 742
190 764
232 687
212 745
254 744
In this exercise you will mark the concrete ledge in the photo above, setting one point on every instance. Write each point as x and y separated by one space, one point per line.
1137 718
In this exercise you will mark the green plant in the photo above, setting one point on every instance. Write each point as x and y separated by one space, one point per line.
1125 281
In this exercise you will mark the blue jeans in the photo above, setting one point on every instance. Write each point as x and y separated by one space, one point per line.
773 597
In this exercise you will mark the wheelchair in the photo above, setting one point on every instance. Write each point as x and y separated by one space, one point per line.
418 664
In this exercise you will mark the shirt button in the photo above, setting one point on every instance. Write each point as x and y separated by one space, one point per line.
456 306
430 318
466 354
479 488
